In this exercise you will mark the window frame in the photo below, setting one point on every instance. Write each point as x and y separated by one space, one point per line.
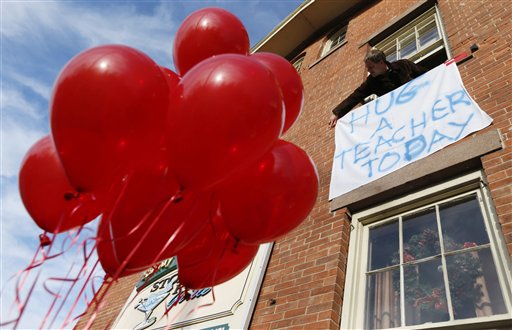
352 316
298 62
428 58
411 28
328 46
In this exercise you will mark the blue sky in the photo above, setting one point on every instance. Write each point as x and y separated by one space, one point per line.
37 39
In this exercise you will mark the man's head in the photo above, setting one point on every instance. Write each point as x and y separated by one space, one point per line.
375 62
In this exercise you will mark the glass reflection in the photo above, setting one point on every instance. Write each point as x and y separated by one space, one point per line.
384 246
383 300
424 293
462 224
421 239
474 285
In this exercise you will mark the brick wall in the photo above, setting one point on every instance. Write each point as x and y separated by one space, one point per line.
114 298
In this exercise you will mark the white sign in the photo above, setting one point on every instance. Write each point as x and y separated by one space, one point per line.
161 304
403 126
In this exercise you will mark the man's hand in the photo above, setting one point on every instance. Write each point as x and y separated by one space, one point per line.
333 120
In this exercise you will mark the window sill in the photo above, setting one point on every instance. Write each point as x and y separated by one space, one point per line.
327 54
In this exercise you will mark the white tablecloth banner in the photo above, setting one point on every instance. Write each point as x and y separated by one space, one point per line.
403 126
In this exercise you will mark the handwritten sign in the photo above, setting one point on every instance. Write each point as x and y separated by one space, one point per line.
403 126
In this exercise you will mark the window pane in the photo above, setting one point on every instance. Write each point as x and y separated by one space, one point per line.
298 63
474 285
408 46
383 250
420 235
335 39
425 297
428 33
391 57
383 300
462 224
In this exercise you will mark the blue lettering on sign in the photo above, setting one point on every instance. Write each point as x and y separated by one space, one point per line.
386 109
421 124
395 140
369 163
414 147
361 151
391 163
457 98
383 124
461 125
341 156
409 92
354 119
438 137
382 141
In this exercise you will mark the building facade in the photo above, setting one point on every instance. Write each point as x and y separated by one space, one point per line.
426 246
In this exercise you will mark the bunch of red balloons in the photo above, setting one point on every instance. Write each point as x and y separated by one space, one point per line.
187 164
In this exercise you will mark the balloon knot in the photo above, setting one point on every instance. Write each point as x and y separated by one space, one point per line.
69 196
178 197
44 240
235 246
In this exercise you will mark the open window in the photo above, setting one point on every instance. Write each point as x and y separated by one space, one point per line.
421 40
335 40
297 62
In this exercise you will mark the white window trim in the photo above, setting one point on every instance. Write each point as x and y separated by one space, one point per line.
328 47
432 47
297 64
352 313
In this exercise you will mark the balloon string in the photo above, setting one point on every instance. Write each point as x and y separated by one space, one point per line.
99 301
121 268
186 294
83 270
141 240
174 234
56 295
82 289
21 279
166 201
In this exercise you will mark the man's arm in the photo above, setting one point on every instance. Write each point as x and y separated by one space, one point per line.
351 101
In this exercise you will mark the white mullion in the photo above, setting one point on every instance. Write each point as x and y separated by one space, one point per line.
416 39
397 47
440 28
443 263
402 286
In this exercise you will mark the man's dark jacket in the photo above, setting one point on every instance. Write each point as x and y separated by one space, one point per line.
401 72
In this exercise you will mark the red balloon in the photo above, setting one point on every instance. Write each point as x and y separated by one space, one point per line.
271 197
290 82
213 257
226 113
47 194
205 33
172 78
110 262
144 225
107 113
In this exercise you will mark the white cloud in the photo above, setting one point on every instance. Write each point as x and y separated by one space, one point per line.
14 103
37 86
16 138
